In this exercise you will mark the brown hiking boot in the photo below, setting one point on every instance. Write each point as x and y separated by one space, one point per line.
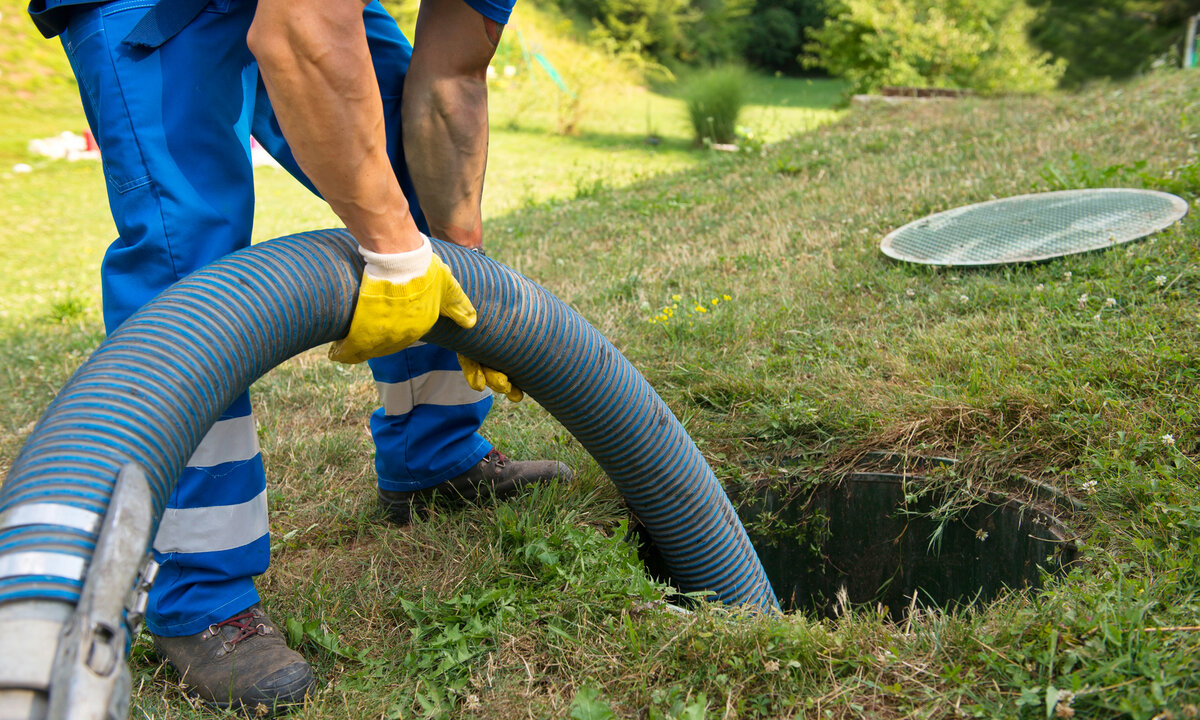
240 662
495 477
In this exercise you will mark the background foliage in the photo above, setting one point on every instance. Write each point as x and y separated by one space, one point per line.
1110 38
989 45
979 45
668 31
777 31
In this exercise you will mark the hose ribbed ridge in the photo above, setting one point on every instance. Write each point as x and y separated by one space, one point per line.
155 387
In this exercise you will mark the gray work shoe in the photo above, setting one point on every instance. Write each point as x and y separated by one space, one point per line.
495 476
240 662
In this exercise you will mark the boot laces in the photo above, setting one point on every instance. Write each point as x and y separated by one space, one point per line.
496 457
247 625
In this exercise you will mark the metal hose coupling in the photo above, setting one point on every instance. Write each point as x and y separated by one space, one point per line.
87 677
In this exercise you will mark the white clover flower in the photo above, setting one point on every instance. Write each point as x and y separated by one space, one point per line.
1063 709
1110 302
1096 317
1168 439
1160 280
1083 300
1039 287
1068 275
771 666
963 298
1089 487
910 292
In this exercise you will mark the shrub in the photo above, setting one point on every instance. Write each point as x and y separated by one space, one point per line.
978 45
714 101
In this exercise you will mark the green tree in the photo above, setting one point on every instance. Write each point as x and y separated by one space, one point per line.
717 33
654 27
1109 38
777 31
668 31
967 44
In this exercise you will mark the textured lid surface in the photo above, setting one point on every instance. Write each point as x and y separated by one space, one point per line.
1028 228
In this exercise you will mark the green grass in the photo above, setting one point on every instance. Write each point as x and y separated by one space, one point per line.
825 350
630 136
530 161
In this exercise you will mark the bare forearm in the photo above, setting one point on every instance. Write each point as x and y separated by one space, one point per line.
317 68
445 136
445 116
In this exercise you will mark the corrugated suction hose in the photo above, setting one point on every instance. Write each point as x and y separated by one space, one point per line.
154 388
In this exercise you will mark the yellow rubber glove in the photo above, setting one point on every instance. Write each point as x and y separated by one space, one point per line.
479 377
402 295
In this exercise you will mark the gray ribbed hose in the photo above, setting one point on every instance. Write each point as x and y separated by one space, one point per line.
155 387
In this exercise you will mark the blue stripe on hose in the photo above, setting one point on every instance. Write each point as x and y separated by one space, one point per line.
83 487
201 387
216 360
49 495
92 407
272 327
30 540
30 589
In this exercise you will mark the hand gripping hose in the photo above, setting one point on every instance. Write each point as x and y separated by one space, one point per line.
140 405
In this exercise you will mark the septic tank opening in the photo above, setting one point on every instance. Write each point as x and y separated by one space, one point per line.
875 537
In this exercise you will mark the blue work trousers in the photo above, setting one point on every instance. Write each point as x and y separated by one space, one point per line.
174 125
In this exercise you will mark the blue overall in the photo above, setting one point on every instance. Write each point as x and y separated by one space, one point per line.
174 122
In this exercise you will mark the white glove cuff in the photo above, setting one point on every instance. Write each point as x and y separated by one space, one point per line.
398 267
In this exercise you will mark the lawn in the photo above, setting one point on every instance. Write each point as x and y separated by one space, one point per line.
530 161
824 351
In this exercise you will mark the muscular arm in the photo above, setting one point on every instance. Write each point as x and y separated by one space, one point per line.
445 116
317 68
